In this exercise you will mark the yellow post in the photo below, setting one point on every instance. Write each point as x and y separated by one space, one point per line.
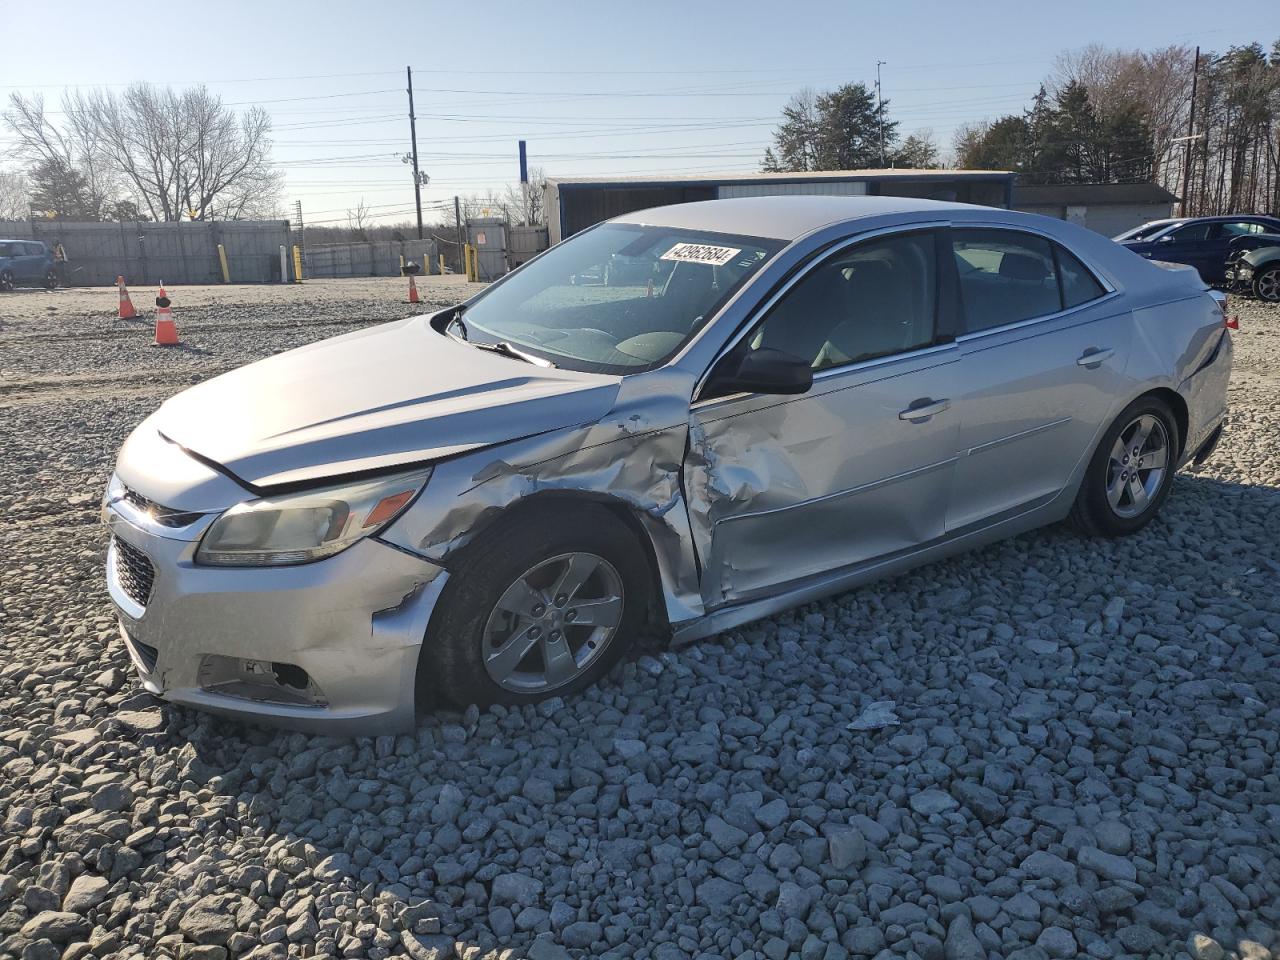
473 267
297 264
402 264
441 264
222 259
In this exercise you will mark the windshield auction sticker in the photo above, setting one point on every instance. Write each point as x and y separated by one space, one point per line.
701 253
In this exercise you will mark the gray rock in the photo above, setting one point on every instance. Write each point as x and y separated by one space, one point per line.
771 814
846 848
1203 947
1057 942
516 888
928 802
56 925
87 891
210 920
961 943
1107 865
1043 865
582 934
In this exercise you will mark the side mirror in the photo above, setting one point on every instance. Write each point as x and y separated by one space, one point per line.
1167 238
760 371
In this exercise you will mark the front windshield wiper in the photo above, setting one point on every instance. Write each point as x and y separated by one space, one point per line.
507 350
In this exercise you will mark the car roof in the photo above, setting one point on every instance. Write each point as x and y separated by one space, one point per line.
787 217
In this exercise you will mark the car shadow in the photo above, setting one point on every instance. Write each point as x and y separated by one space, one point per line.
574 794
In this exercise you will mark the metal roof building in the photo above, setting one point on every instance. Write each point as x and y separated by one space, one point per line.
573 204
1107 208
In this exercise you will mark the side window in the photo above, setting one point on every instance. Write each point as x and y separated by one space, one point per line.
1240 228
872 300
1078 284
1005 276
1191 233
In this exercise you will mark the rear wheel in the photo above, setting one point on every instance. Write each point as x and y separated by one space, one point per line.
6 280
51 280
1131 471
542 607
1266 284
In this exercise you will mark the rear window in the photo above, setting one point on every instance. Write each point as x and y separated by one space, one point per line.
6 249
1078 284
1005 277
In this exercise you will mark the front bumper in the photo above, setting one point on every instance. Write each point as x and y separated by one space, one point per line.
354 622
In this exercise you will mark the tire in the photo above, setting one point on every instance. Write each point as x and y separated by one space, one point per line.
51 280
473 648
6 280
1099 511
1266 284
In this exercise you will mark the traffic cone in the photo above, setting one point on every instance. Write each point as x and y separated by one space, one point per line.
126 305
166 332
413 290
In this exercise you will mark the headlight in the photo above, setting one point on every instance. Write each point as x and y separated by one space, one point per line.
300 527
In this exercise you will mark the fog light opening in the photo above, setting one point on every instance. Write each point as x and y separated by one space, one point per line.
290 675
263 681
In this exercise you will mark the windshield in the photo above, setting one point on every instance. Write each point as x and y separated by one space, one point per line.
618 298
1148 231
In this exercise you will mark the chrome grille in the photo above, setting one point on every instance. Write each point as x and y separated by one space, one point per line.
165 516
134 572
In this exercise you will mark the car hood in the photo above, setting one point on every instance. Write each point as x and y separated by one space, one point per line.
395 394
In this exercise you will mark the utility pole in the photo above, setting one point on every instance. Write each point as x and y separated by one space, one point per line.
457 223
884 163
1191 139
413 136
302 231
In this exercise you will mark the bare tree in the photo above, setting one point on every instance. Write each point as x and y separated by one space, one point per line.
174 154
358 221
1156 82
515 203
14 199
75 148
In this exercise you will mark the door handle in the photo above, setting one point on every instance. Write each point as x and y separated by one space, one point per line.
923 409
1093 357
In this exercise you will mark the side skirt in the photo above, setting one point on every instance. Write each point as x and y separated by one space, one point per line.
838 581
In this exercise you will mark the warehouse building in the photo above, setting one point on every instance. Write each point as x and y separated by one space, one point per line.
577 203
1106 208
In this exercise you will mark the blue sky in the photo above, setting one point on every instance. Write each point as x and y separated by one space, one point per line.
595 88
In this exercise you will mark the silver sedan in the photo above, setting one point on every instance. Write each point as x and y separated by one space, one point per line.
678 421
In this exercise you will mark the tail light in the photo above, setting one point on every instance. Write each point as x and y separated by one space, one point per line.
1231 322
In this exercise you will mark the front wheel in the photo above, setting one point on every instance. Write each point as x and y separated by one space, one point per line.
542 607
51 280
1266 284
6 280
1131 471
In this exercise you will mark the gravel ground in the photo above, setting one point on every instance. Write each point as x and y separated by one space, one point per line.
1084 761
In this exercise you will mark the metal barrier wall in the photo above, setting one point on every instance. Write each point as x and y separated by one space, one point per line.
148 253
525 243
380 258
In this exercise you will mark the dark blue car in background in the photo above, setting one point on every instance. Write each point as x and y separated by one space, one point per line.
1200 242
26 263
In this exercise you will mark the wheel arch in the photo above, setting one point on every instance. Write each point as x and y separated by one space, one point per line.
1177 404
627 514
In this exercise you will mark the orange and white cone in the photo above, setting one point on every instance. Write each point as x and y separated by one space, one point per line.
413 290
126 305
166 331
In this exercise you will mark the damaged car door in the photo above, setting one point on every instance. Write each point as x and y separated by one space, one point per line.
784 487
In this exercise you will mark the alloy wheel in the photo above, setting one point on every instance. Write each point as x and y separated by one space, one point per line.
553 623
1268 285
1138 465
6 280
